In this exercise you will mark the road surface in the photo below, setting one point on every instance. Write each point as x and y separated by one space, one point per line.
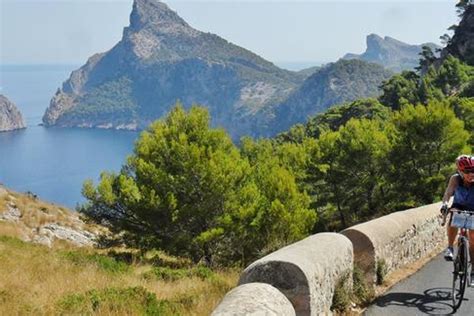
427 292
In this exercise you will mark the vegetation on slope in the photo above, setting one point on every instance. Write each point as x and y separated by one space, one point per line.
38 280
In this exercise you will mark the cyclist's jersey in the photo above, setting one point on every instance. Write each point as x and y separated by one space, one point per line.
463 196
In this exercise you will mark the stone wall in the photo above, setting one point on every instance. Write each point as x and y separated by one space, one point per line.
396 239
307 272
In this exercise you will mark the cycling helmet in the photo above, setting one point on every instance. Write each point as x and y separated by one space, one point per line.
465 163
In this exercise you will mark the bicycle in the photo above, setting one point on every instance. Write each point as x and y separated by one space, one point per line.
464 220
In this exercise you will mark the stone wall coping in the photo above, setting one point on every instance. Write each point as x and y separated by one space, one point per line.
254 299
384 229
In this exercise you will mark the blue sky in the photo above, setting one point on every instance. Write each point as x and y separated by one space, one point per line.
69 31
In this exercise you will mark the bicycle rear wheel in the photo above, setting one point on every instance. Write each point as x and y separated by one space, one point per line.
460 273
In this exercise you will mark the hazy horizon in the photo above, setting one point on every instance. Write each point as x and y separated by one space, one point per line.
68 32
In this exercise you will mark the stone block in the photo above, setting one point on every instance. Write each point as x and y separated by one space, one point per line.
254 299
306 272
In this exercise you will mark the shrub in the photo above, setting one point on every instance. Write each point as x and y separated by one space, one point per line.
131 300
361 292
381 271
102 262
168 274
341 299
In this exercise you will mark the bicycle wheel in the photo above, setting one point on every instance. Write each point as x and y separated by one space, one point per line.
460 273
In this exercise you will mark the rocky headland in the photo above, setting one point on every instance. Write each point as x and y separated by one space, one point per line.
161 59
10 116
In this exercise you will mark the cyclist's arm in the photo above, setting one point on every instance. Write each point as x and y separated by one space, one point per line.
452 185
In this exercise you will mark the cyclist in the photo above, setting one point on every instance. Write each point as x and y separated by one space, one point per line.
461 185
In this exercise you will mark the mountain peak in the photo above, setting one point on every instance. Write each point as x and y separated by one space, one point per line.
390 53
373 38
155 15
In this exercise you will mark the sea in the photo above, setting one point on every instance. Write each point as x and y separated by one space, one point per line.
53 163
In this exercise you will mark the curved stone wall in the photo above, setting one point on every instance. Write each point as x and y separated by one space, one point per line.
254 299
396 239
306 272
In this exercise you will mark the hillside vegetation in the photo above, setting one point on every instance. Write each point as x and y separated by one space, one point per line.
64 279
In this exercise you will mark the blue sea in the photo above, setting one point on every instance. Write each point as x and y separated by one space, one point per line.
53 162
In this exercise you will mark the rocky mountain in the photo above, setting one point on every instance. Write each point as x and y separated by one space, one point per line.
391 53
335 83
161 59
462 43
10 117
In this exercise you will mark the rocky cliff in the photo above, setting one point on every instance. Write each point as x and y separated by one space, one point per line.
462 42
161 59
10 117
391 53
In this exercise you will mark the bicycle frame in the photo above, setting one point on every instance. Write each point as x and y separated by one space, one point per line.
462 263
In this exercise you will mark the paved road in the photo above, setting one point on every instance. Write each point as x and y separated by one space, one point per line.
427 292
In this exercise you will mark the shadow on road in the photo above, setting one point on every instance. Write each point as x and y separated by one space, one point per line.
436 301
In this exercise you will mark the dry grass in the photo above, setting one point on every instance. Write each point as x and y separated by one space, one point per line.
36 213
35 278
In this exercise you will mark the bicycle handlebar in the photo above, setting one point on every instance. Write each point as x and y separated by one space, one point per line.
454 210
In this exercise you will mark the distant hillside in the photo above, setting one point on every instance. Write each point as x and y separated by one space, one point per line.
161 59
391 53
336 83
10 116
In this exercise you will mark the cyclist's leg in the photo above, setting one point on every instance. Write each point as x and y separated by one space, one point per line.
471 244
452 233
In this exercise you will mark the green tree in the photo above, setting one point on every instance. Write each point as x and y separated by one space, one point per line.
428 90
354 159
400 89
451 75
337 116
425 142
279 172
427 58
188 190
464 109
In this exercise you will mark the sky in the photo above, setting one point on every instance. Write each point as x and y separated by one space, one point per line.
311 31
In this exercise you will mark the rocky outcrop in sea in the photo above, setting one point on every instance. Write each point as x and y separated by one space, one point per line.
10 116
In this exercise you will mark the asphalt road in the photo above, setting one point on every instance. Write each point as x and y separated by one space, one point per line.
427 292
